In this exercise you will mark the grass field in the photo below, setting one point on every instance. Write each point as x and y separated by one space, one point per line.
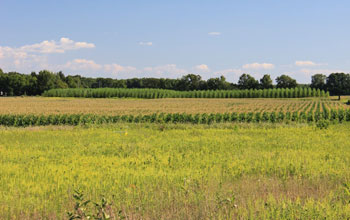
41 105
178 171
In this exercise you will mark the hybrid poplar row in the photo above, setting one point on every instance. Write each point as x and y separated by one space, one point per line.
161 93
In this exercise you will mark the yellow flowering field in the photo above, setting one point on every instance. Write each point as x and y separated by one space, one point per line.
158 171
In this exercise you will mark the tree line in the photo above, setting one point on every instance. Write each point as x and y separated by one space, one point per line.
15 84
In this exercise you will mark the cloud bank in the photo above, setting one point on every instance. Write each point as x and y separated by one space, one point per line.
43 55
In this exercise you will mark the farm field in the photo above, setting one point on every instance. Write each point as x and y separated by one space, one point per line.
186 168
174 110
43 105
177 171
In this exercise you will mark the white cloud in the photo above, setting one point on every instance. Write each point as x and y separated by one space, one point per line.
54 47
310 72
169 69
146 43
35 56
214 33
91 66
258 66
228 71
202 68
120 71
8 52
305 63
116 68
82 64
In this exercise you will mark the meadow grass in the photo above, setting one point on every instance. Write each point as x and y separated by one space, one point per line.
157 171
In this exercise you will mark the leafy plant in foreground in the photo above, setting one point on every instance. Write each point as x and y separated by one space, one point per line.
82 210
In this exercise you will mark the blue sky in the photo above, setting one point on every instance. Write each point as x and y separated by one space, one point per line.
124 39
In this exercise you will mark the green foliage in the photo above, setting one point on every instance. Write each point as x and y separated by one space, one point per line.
246 81
84 210
285 81
322 124
273 117
161 93
338 84
295 116
266 82
265 117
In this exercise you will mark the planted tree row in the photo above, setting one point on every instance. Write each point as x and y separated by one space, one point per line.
161 93
82 119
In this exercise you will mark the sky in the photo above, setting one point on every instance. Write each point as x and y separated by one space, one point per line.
168 39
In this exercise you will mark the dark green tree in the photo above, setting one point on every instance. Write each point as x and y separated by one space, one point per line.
285 81
338 84
190 82
73 81
32 86
246 81
318 81
266 82
48 80
17 83
132 83
217 83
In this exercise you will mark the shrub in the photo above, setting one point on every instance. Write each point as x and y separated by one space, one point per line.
218 118
258 116
347 115
250 117
341 115
273 117
241 117
234 116
226 117
204 118
265 117
211 118
196 119
288 116
294 116
322 124
280 116
334 115
310 116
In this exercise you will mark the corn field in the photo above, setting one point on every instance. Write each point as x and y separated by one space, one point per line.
18 112
47 105
314 114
